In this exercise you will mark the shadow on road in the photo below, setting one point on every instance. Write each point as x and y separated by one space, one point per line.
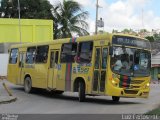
94 100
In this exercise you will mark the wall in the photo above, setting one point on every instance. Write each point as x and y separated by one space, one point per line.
3 64
32 30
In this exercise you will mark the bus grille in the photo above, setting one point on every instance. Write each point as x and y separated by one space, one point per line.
130 91
135 87
137 81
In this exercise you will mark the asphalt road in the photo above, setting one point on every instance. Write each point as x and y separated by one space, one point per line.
42 102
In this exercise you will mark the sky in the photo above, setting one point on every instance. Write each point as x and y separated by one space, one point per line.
121 14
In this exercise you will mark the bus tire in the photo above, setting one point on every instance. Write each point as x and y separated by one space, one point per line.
28 85
81 92
115 98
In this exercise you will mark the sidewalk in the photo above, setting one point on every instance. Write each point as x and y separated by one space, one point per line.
4 96
7 99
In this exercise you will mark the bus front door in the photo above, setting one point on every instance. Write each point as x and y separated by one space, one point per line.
53 69
22 56
99 74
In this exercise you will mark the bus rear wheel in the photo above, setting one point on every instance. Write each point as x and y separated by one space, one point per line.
81 91
28 85
115 98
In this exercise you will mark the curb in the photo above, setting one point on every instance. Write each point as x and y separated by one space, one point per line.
7 99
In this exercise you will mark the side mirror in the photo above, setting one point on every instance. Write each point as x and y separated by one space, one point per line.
110 50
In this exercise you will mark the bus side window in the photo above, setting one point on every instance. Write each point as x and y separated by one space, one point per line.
30 56
68 52
42 54
13 56
85 52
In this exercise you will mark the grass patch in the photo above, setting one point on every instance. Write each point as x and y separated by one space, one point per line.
154 112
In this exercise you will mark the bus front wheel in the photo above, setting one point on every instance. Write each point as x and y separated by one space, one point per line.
81 91
115 98
28 85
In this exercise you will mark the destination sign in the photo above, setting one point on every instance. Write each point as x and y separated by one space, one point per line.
131 41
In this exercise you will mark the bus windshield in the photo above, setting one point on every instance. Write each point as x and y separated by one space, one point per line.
130 61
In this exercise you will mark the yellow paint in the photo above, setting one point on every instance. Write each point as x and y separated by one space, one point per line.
32 30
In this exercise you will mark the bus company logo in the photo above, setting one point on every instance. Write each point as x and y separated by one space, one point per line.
81 70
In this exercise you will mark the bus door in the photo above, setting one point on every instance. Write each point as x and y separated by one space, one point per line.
53 69
22 56
99 74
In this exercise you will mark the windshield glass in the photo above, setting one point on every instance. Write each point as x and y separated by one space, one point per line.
130 61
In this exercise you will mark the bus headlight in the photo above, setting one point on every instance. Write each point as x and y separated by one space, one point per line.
147 85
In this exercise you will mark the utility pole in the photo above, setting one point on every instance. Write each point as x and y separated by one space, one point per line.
142 19
19 16
96 17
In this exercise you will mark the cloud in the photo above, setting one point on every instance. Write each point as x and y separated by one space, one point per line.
128 14
122 14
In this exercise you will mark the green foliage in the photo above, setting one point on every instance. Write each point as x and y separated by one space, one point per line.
126 30
150 38
114 31
143 31
156 37
37 9
69 18
154 112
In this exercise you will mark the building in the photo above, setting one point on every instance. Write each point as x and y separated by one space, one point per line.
29 30
155 61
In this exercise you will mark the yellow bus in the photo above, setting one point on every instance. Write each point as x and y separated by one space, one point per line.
115 65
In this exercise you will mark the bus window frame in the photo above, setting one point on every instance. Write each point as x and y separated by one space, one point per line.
16 56
78 52
62 52
34 56
45 60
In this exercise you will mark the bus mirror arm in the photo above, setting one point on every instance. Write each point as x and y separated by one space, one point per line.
110 50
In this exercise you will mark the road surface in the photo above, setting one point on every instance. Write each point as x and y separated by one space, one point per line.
42 102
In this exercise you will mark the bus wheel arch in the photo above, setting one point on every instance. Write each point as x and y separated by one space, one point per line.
80 87
28 84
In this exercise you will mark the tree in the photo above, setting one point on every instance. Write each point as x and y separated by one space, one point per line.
37 9
156 37
150 38
114 31
126 30
68 19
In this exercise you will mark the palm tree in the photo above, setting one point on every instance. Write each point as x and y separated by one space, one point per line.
69 19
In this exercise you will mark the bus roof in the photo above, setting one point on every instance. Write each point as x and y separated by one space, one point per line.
105 36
